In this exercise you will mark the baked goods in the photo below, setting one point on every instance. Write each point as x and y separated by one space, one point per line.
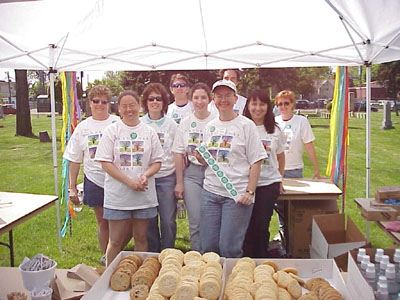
323 289
16 296
133 271
188 276
267 282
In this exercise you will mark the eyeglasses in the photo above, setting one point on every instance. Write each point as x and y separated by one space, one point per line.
227 97
131 106
154 98
97 101
283 104
176 85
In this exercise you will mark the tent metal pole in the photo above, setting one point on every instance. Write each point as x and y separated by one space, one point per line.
368 140
54 142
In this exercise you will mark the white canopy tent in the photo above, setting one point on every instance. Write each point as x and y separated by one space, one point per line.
203 34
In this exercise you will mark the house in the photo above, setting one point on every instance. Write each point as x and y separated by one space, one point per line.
323 89
378 92
5 88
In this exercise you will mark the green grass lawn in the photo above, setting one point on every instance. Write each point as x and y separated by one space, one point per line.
26 166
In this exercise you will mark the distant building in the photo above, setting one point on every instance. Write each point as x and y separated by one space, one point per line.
323 89
5 88
378 92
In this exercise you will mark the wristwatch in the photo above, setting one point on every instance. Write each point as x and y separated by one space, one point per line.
250 192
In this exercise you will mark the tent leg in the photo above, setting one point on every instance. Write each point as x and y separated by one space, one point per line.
368 140
54 143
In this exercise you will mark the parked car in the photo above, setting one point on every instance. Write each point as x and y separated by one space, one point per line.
8 109
302 104
361 106
392 106
321 103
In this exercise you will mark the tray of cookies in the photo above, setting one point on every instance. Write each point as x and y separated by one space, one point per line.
311 279
168 275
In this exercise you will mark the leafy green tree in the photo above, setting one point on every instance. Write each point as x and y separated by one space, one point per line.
298 80
113 81
389 75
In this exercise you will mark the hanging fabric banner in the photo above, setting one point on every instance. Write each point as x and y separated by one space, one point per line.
70 116
339 135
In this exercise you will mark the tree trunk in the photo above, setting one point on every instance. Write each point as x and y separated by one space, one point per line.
24 126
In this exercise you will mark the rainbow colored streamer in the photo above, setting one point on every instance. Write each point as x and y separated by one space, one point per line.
71 114
339 138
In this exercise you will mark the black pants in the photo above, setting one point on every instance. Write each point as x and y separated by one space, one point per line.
257 237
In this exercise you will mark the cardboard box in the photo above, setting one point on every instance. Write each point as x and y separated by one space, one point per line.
341 260
301 213
307 268
357 286
102 290
331 237
371 212
387 192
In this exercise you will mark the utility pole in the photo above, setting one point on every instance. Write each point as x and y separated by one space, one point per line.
9 87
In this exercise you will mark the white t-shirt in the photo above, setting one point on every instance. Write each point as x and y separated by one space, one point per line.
273 143
177 113
83 144
235 146
238 107
166 131
131 150
298 132
190 135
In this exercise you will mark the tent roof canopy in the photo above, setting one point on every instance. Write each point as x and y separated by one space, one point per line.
177 35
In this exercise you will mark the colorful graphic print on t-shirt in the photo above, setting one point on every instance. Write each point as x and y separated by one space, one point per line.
131 153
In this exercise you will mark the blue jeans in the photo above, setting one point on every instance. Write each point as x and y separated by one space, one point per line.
223 224
193 177
159 239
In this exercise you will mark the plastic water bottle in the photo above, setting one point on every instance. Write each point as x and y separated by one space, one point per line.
370 276
396 261
382 266
79 207
364 264
382 292
378 257
393 286
180 209
360 254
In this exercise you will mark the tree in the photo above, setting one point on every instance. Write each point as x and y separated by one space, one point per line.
112 81
389 75
24 126
298 80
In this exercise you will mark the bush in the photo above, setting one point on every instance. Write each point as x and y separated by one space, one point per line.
329 106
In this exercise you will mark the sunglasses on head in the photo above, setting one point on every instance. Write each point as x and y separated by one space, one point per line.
176 85
154 98
97 101
283 104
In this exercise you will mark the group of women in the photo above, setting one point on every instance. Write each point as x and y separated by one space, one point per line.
227 167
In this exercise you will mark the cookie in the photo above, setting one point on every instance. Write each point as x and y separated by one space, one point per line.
294 288
139 292
120 281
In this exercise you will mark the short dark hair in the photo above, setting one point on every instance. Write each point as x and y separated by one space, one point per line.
200 86
128 93
221 73
269 118
156 88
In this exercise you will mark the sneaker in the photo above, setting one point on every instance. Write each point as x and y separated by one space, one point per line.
102 260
